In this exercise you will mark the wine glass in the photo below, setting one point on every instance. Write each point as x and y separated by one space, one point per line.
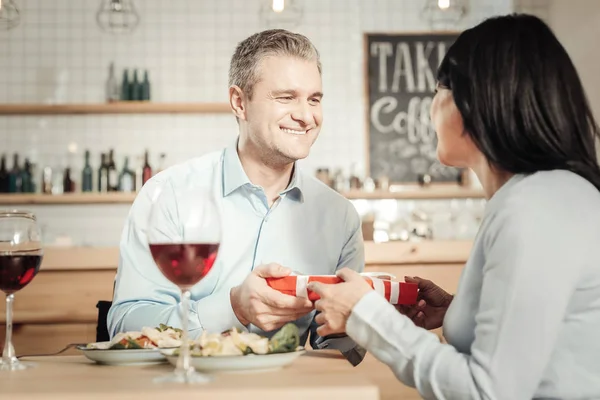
184 233
20 258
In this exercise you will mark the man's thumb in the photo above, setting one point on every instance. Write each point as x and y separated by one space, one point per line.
272 270
347 274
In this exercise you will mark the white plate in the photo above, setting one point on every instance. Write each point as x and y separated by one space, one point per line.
123 356
249 363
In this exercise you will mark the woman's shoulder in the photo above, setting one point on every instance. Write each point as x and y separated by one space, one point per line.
550 191
546 203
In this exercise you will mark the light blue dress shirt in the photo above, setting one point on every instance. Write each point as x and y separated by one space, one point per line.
312 230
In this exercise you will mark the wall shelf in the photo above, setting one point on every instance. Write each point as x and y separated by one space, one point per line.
412 192
127 198
67 198
126 107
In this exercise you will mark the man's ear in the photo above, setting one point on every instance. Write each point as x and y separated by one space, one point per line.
237 100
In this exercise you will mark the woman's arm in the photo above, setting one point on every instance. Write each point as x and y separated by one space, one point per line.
523 302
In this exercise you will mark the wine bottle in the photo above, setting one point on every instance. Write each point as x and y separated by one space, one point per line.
125 87
135 87
127 178
145 92
147 170
103 175
14 177
68 184
112 87
26 178
3 175
113 179
86 174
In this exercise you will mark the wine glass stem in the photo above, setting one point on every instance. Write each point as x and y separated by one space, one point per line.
8 355
184 361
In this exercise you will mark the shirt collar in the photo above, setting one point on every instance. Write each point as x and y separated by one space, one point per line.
235 177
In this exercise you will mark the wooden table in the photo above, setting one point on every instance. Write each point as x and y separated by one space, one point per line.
314 376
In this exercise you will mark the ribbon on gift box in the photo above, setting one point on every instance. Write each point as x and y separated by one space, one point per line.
296 285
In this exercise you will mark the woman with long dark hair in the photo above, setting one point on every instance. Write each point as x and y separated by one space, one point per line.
525 319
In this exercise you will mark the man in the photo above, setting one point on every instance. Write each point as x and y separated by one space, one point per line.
273 212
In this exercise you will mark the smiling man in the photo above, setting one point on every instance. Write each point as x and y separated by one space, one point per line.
277 218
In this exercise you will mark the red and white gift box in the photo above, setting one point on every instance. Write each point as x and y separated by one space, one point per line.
296 285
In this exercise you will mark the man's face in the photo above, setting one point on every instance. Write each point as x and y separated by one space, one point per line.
284 115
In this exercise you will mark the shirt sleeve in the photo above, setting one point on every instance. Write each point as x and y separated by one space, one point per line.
143 296
524 298
353 257
353 251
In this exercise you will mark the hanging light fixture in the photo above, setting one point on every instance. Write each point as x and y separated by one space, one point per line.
117 16
278 5
10 16
444 13
443 4
281 13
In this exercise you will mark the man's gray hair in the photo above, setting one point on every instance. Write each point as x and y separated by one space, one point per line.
243 70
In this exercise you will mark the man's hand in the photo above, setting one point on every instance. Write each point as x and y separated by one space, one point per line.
257 303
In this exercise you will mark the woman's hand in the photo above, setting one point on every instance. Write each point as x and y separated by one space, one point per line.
337 301
431 307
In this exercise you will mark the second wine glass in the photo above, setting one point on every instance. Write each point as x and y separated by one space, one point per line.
20 259
184 234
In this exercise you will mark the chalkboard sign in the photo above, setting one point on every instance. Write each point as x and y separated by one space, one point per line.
401 74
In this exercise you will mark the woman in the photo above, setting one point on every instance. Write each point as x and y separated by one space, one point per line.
525 319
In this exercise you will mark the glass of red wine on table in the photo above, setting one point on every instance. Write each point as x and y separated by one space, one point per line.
184 233
20 258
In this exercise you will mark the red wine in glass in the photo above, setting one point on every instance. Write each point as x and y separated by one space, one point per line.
184 233
17 270
184 264
20 259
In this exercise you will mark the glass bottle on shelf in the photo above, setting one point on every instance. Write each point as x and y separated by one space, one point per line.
3 175
145 91
103 174
86 174
135 87
125 86
147 170
58 178
113 178
27 178
68 184
47 180
14 177
112 87
127 178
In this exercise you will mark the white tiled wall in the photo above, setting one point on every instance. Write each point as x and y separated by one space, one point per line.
58 54
539 8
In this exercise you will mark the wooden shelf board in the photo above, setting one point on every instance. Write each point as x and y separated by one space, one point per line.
67 198
417 192
126 107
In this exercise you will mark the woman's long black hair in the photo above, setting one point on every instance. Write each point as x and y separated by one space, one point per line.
521 98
